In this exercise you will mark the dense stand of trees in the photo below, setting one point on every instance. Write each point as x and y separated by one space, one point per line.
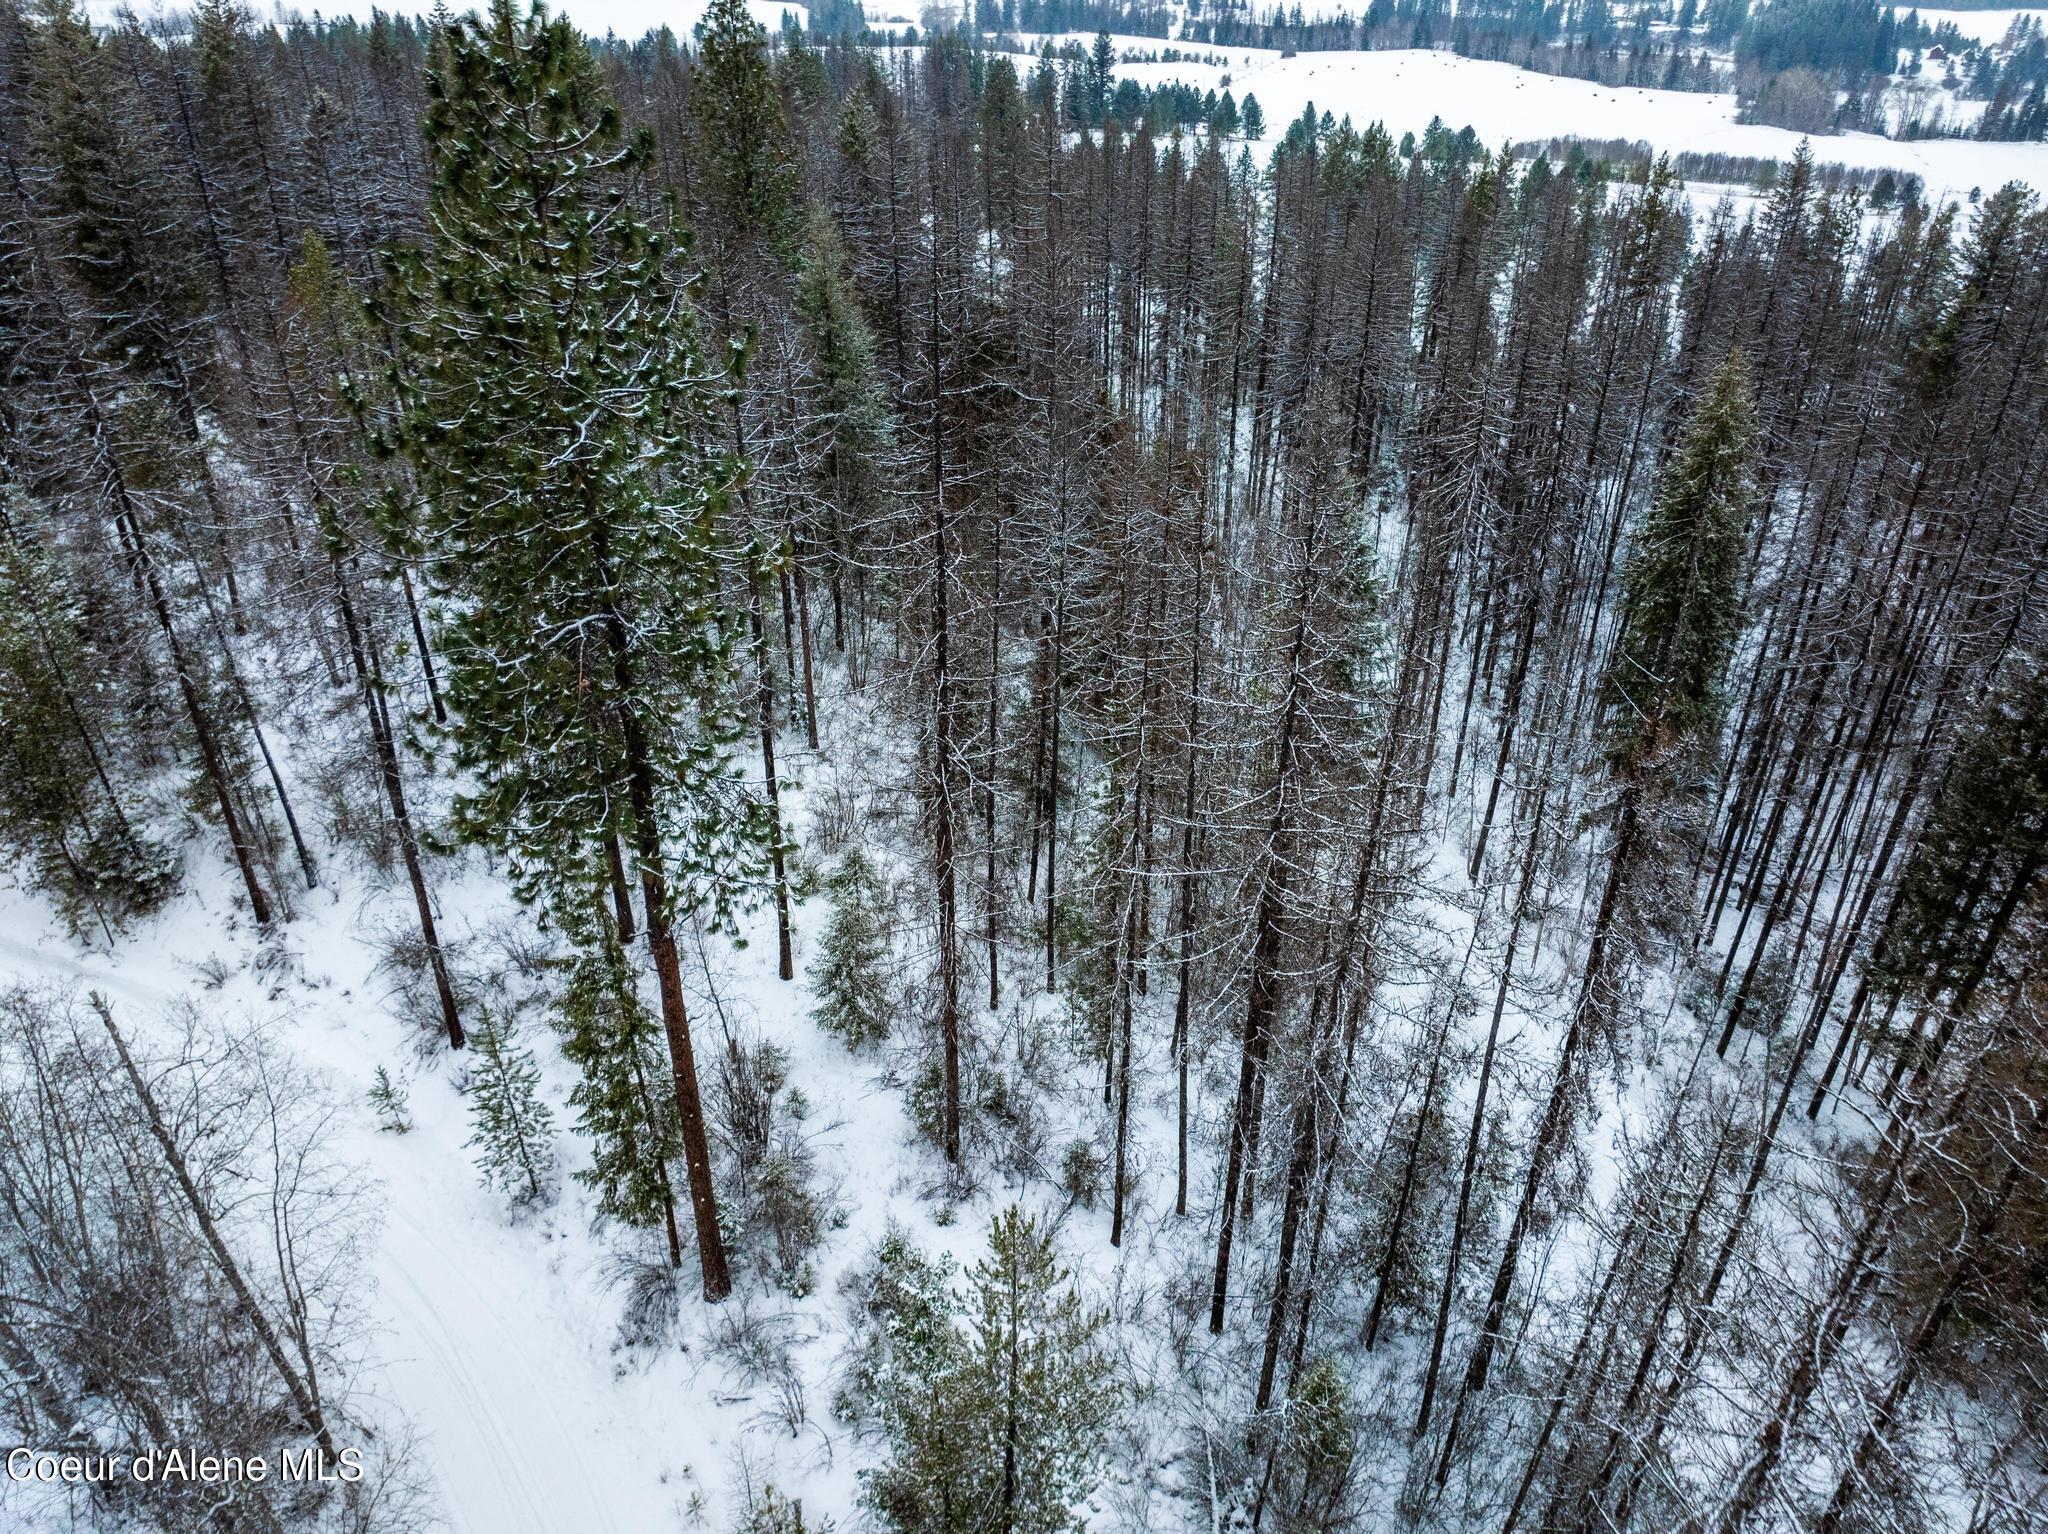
1507 711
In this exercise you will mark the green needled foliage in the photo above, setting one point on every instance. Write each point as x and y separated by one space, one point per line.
997 1425
59 811
1663 686
551 394
553 399
621 1101
1983 852
512 1131
753 177
850 979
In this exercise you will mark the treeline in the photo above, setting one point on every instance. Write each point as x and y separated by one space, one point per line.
2014 85
1815 66
1509 719
1587 42
1145 19
1634 160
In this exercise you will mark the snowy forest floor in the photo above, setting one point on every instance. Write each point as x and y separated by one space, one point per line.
498 1336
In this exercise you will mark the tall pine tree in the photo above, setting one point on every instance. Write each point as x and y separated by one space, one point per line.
552 397
739 111
1663 699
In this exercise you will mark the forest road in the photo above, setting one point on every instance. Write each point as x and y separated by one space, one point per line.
503 1459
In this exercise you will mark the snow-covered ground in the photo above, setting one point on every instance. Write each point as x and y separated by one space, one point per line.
497 1335
494 1337
1984 26
1405 88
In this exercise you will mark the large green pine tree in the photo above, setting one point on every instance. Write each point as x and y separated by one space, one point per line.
552 397
1662 690
996 1428
746 135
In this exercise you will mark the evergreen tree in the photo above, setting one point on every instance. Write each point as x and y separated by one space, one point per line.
1225 121
511 1129
127 315
60 809
850 405
109 190
552 398
772 1513
1982 853
388 1102
1047 1389
1316 1444
1252 117
739 110
850 979
1099 75
908 1330
1662 690
611 1037
997 1431
1663 696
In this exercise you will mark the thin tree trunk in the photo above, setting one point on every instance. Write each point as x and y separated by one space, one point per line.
298 1388
765 693
369 678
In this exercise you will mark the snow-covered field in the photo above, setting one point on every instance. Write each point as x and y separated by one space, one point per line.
1405 88
1984 26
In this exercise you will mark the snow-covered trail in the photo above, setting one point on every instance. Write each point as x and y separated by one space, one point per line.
505 1459
44 961
491 1338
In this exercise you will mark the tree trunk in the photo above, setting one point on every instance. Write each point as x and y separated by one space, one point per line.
369 677
298 1388
765 692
